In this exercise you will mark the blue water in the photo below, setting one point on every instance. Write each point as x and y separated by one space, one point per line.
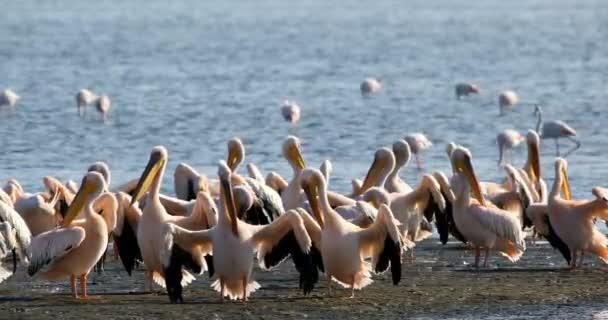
190 75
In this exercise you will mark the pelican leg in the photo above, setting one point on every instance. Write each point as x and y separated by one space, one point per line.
329 293
150 278
477 253
115 250
574 148
245 289
352 288
83 286
573 261
222 289
485 259
580 264
73 287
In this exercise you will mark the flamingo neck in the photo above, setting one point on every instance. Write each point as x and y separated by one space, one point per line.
539 121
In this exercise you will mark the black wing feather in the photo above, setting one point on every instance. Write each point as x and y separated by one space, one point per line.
180 258
128 249
555 241
390 254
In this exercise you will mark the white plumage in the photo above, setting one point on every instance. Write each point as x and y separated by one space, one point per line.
370 85
50 246
418 143
507 100
9 98
290 111
507 140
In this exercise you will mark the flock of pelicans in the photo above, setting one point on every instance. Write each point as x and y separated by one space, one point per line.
223 225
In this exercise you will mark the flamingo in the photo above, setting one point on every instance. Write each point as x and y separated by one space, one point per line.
555 129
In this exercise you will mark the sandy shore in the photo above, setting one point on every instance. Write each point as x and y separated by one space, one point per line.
441 284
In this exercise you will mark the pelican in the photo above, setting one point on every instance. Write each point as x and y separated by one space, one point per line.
15 238
234 242
464 89
394 183
292 195
507 100
275 181
290 111
125 232
38 214
103 105
555 130
418 143
507 140
444 219
150 227
73 249
482 224
532 167
187 182
345 246
573 220
378 173
84 97
9 98
370 86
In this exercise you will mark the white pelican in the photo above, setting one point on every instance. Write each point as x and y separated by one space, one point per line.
532 167
464 89
344 247
555 130
378 173
73 250
507 100
370 85
103 105
418 143
292 195
8 98
234 242
539 214
573 220
507 140
38 214
482 224
125 232
15 238
444 219
84 97
394 183
150 227
290 111
187 182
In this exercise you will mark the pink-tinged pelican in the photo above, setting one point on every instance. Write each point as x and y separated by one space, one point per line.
234 242
506 141
418 143
573 220
73 249
394 183
555 129
344 247
507 100
84 97
464 89
482 224
378 173
9 98
290 111
370 86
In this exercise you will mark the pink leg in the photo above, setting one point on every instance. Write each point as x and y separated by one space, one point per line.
573 261
477 253
73 287
580 264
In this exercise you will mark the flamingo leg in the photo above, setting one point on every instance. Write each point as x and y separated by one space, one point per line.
557 147
574 148
418 162
73 287
477 253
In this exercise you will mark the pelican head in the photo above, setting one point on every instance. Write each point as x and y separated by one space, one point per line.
292 151
461 160
91 188
311 182
153 170
533 141
102 168
444 182
561 177
537 110
402 153
243 200
236 153
225 174
384 162
376 196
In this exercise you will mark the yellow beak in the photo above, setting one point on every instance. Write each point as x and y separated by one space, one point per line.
566 185
226 190
78 202
311 193
150 173
534 160
465 166
296 155
370 177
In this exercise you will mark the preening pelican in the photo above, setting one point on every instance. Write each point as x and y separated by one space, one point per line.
292 196
8 98
573 220
370 85
465 89
482 224
507 140
84 97
507 100
394 183
187 182
150 228
72 250
418 143
444 219
103 105
234 242
15 239
532 168
290 111
345 246
125 232
555 129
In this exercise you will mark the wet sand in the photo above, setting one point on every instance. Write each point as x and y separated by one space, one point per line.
441 284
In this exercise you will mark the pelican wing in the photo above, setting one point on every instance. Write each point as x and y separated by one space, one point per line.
125 232
539 215
176 207
255 173
107 205
382 242
19 227
500 222
52 245
267 206
128 187
7 239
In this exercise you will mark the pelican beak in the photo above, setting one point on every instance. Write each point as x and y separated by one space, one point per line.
226 190
534 160
78 203
566 185
371 176
311 193
465 166
296 155
234 156
150 173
